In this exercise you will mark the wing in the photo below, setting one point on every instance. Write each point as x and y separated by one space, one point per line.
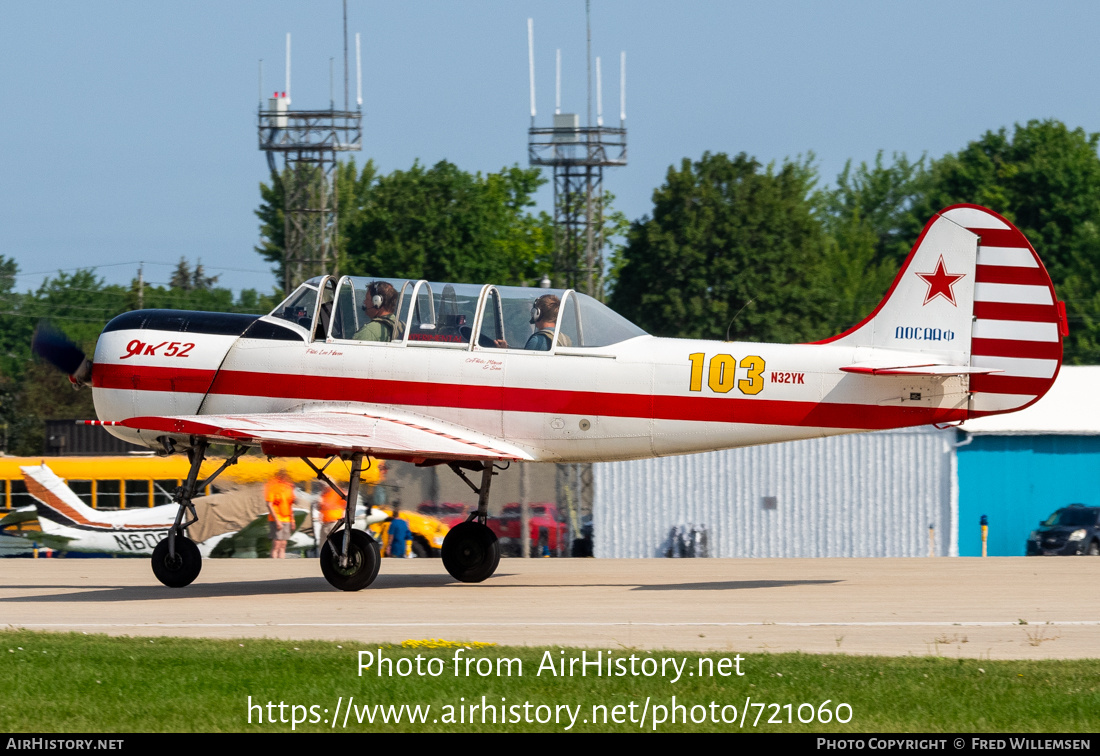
379 432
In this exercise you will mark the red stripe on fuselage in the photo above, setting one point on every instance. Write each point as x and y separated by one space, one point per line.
553 401
184 380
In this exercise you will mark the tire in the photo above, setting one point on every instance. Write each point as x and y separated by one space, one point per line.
471 552
364 559
181 571
1094 549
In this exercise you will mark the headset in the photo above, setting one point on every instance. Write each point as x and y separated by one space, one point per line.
375 299
536 311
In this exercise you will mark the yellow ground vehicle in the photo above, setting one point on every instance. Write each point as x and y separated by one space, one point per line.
147 481
427 532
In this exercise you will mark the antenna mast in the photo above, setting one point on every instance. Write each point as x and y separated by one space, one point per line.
358 74
309 141
557 84
531 64
345 54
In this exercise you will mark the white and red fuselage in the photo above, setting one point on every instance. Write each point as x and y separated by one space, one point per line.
971 326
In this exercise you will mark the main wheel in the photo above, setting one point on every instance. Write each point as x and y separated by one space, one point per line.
1094 549
183 568
471 552
363 561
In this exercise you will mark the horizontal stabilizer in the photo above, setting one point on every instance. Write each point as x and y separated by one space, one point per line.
879 369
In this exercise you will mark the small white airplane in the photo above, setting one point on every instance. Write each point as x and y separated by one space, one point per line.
971 326
68 524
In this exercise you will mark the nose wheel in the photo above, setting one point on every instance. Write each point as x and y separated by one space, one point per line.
471 552
176 559
181 569
361 566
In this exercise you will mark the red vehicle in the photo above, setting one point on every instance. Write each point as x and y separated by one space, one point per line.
549 531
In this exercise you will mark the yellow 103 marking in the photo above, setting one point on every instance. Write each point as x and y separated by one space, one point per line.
696 372
720 377
755 382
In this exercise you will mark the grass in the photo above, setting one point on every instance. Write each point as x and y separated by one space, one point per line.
94 683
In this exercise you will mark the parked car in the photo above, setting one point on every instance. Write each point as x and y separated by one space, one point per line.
547 530
1069 531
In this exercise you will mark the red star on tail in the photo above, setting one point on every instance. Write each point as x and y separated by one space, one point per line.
940 283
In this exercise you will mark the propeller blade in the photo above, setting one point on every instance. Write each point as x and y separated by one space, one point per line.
56 348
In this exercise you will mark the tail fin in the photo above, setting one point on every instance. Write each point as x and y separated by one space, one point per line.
973 293
57 503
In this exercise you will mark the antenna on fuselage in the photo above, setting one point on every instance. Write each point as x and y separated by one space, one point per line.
735 316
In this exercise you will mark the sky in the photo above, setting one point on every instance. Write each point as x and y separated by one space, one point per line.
128 128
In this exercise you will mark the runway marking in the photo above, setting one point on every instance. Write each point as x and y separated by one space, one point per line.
1052 623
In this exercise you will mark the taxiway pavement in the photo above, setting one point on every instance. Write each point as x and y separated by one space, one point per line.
996 608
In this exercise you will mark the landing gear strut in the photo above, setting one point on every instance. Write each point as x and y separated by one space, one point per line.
176 559
471 551
349 558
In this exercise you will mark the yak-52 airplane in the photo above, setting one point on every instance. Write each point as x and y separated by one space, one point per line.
970 327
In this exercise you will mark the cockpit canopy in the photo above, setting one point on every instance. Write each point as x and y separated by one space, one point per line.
464 316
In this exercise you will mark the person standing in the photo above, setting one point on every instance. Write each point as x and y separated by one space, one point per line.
399 534
331 510
279 497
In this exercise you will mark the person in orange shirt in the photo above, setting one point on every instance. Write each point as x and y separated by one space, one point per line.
332 509
279 495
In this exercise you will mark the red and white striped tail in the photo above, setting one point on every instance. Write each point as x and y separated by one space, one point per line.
974 298
1018 321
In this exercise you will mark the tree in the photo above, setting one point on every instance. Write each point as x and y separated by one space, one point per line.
444 224
726 232
1045 178
869 222
439 223
181 276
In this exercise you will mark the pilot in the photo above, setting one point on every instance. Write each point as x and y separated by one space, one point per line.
544 316
380 304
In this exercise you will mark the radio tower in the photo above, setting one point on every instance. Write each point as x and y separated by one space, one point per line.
578 154
309 141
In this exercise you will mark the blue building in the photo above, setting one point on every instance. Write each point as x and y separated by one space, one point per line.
1016 469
